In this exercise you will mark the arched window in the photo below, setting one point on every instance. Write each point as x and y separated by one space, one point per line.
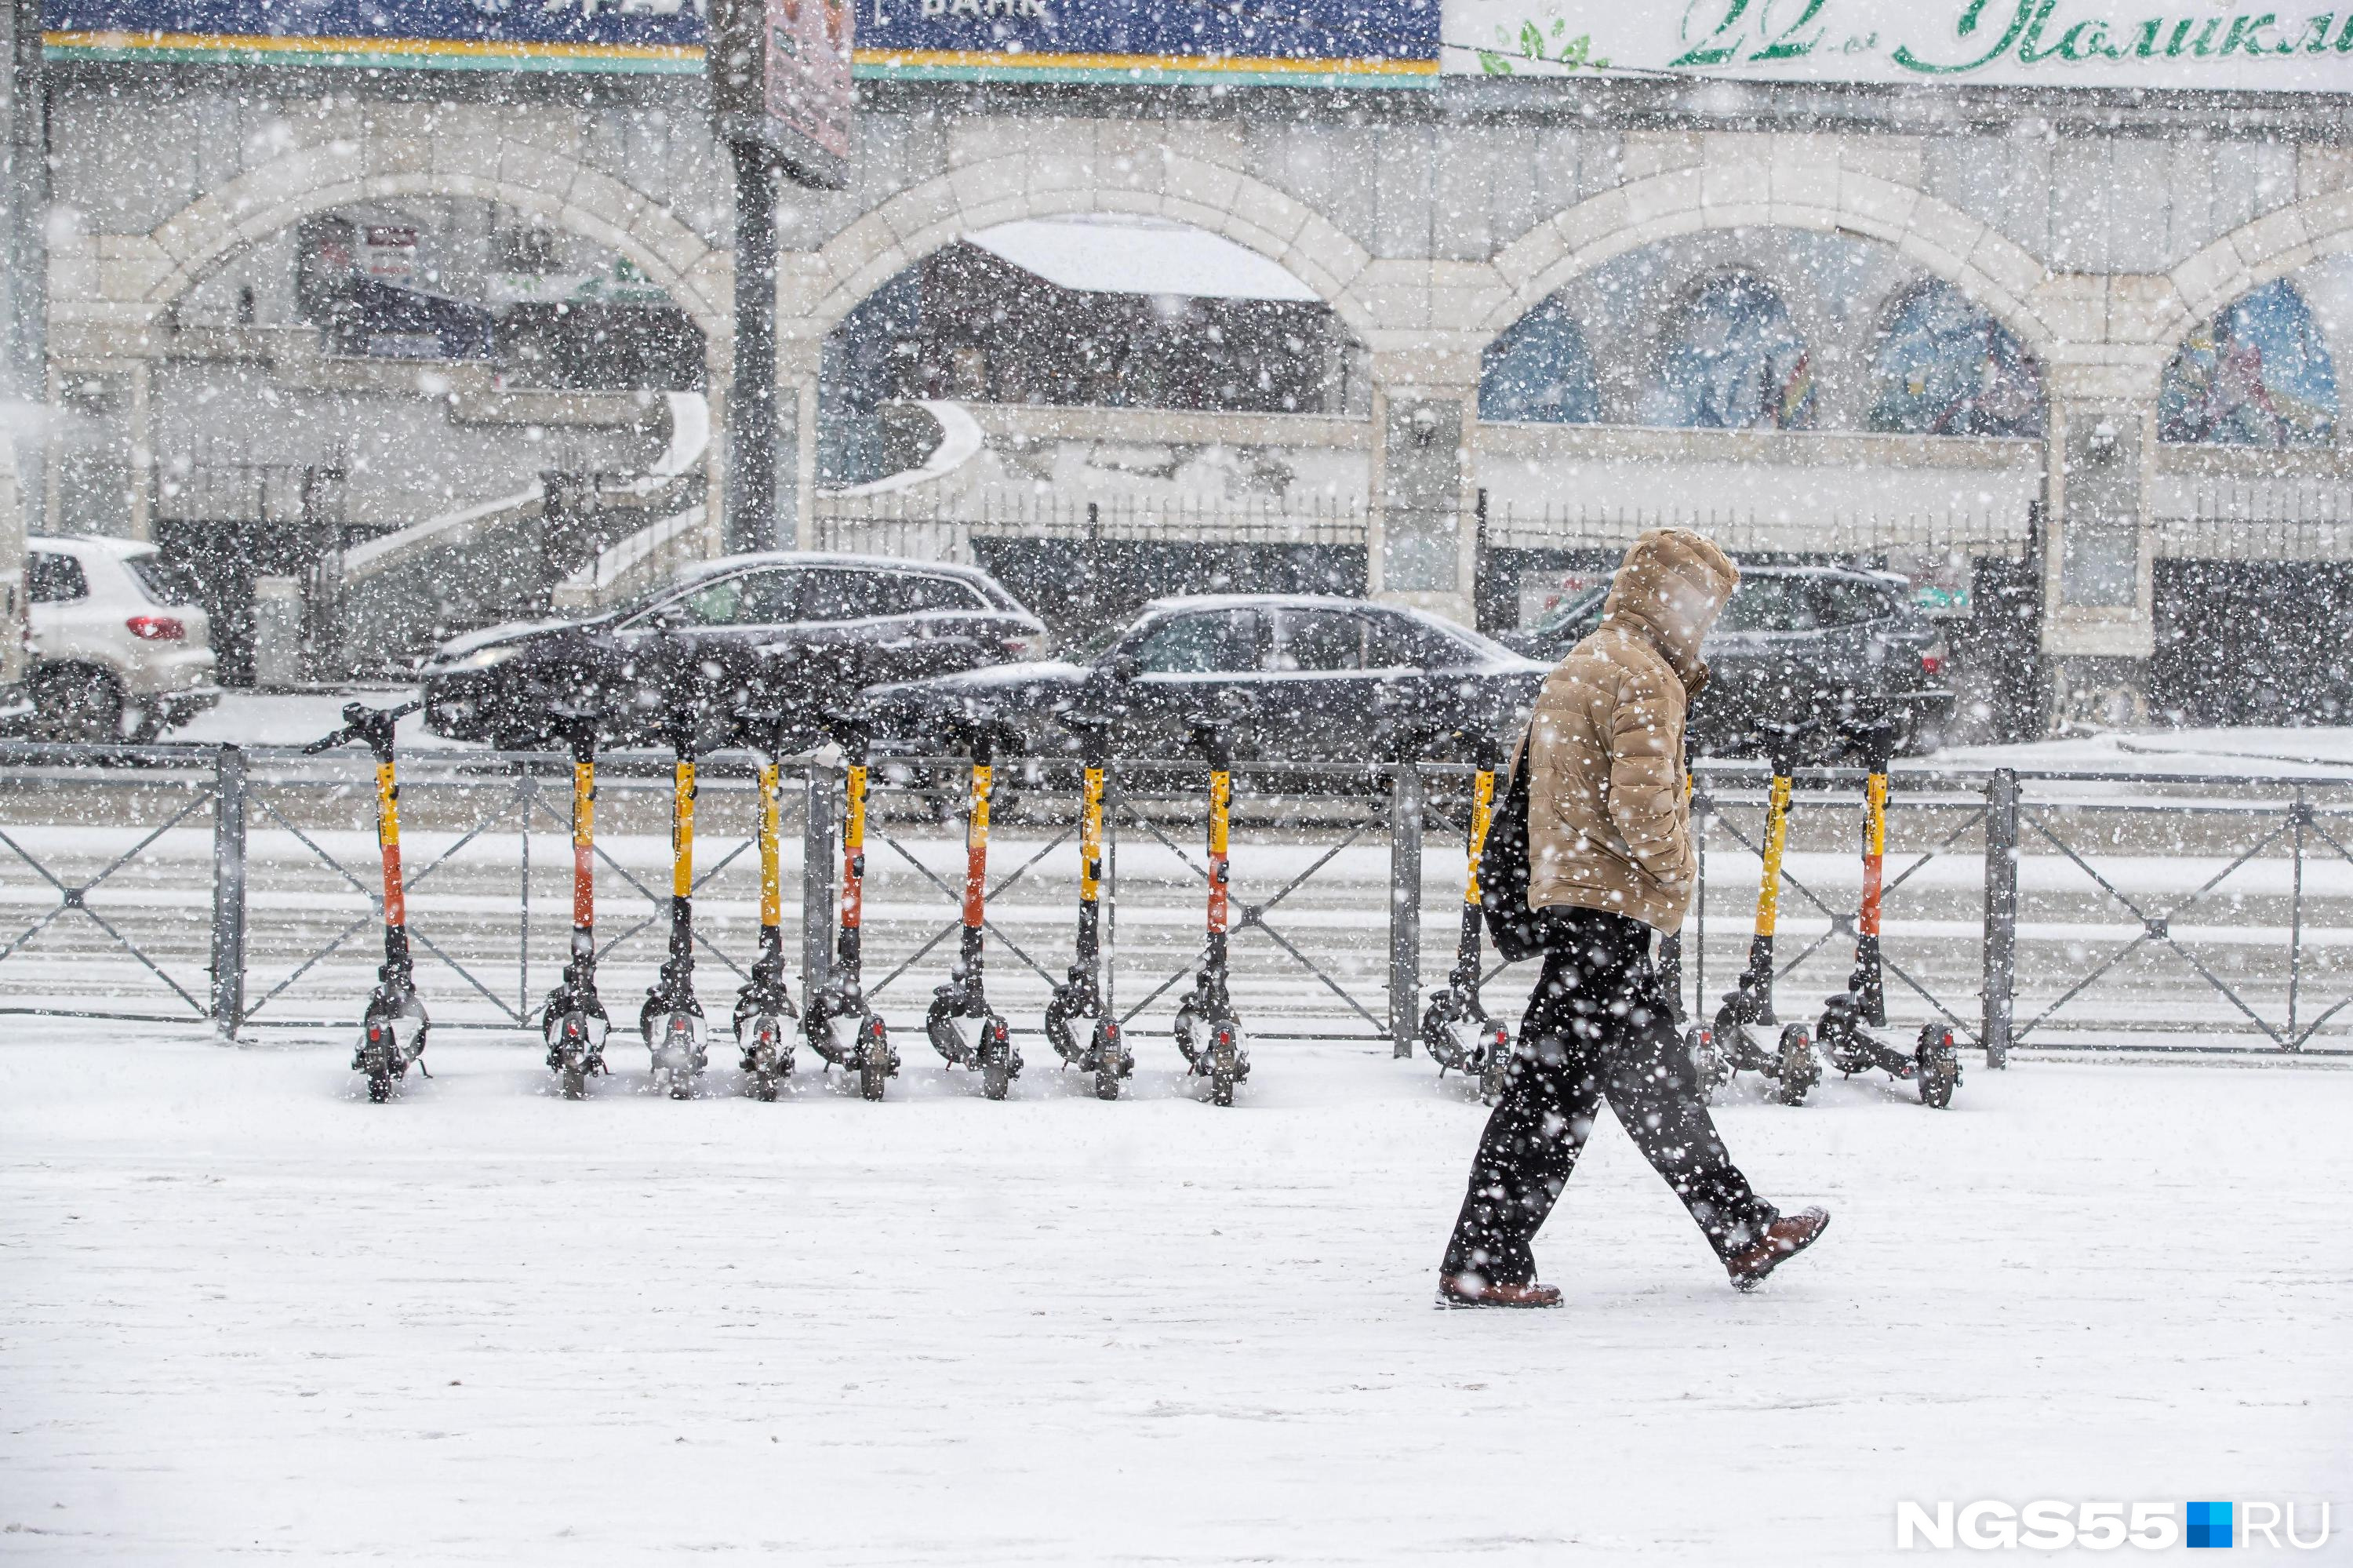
1541 370
2258 374
1732 361
1943 367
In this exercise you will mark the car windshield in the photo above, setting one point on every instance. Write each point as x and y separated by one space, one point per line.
1095 647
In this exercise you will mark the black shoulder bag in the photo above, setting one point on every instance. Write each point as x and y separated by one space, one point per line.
1518 931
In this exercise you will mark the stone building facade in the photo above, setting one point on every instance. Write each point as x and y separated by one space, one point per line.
2098 229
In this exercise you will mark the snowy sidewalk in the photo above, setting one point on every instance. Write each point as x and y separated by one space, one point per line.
243 1315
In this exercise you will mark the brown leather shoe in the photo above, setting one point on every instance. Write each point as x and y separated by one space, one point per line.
1784 1239
1469 1290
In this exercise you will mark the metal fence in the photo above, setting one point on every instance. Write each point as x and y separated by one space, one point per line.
2076 910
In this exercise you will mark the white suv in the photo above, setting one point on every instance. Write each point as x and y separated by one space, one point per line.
120 647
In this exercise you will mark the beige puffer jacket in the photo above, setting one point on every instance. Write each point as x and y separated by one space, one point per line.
1608 825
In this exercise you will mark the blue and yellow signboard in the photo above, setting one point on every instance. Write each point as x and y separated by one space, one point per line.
1338 43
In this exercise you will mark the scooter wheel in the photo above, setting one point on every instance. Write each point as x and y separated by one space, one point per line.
1495 1072
380 1084
1111 1059
874 1062
1224 1063
1800 1069
572 1081
1936 1067
997 1066
1711 1068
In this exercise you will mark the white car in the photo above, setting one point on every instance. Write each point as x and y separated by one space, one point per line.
120 647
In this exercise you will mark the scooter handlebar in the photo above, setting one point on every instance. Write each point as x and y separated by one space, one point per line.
372 726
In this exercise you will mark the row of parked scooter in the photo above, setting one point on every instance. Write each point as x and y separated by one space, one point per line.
842 1028
1745 1035
840 1024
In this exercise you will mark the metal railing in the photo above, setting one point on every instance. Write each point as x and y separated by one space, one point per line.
2087 910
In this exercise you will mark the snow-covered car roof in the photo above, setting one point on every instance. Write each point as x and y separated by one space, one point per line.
1199 601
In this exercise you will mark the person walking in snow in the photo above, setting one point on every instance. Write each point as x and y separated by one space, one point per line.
1610 864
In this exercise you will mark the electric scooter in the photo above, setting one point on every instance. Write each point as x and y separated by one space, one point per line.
1455 1028
1078 999
1207 1033
394 1027
573 1022
1847 1018
671 1020
1741 1038
840 1026
764 1012
963 1027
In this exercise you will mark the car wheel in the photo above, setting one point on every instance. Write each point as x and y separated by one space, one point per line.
75 703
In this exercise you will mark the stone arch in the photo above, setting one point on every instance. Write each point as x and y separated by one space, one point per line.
1988 267
823 286
2263 252
140 275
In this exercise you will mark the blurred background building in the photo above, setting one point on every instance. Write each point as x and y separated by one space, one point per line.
1357 307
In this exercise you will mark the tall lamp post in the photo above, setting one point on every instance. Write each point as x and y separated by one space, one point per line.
781 102
26 370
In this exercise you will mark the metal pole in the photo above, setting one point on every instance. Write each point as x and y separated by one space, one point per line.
2000 912
751 521
1109 944
1405 905
2302 814
28 253
816 876
1702 806
526 783
228 892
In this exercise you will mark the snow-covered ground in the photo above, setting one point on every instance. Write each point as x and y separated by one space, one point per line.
246 1315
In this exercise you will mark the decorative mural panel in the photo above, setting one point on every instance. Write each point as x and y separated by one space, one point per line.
1943 366
2259 374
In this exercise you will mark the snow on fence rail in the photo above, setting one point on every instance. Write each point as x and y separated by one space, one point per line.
202 883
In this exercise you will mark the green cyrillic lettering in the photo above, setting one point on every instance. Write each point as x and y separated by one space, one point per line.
2204 45
2241 34
2316 36
2345 38
2085 40
1969 24
2145 45
2029 49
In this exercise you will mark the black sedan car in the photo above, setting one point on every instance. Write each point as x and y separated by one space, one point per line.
1301 678
1819 646
741 632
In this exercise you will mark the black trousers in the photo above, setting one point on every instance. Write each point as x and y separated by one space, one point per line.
1599 1027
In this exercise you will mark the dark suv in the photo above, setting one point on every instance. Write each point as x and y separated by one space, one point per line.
1796 645
738 631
